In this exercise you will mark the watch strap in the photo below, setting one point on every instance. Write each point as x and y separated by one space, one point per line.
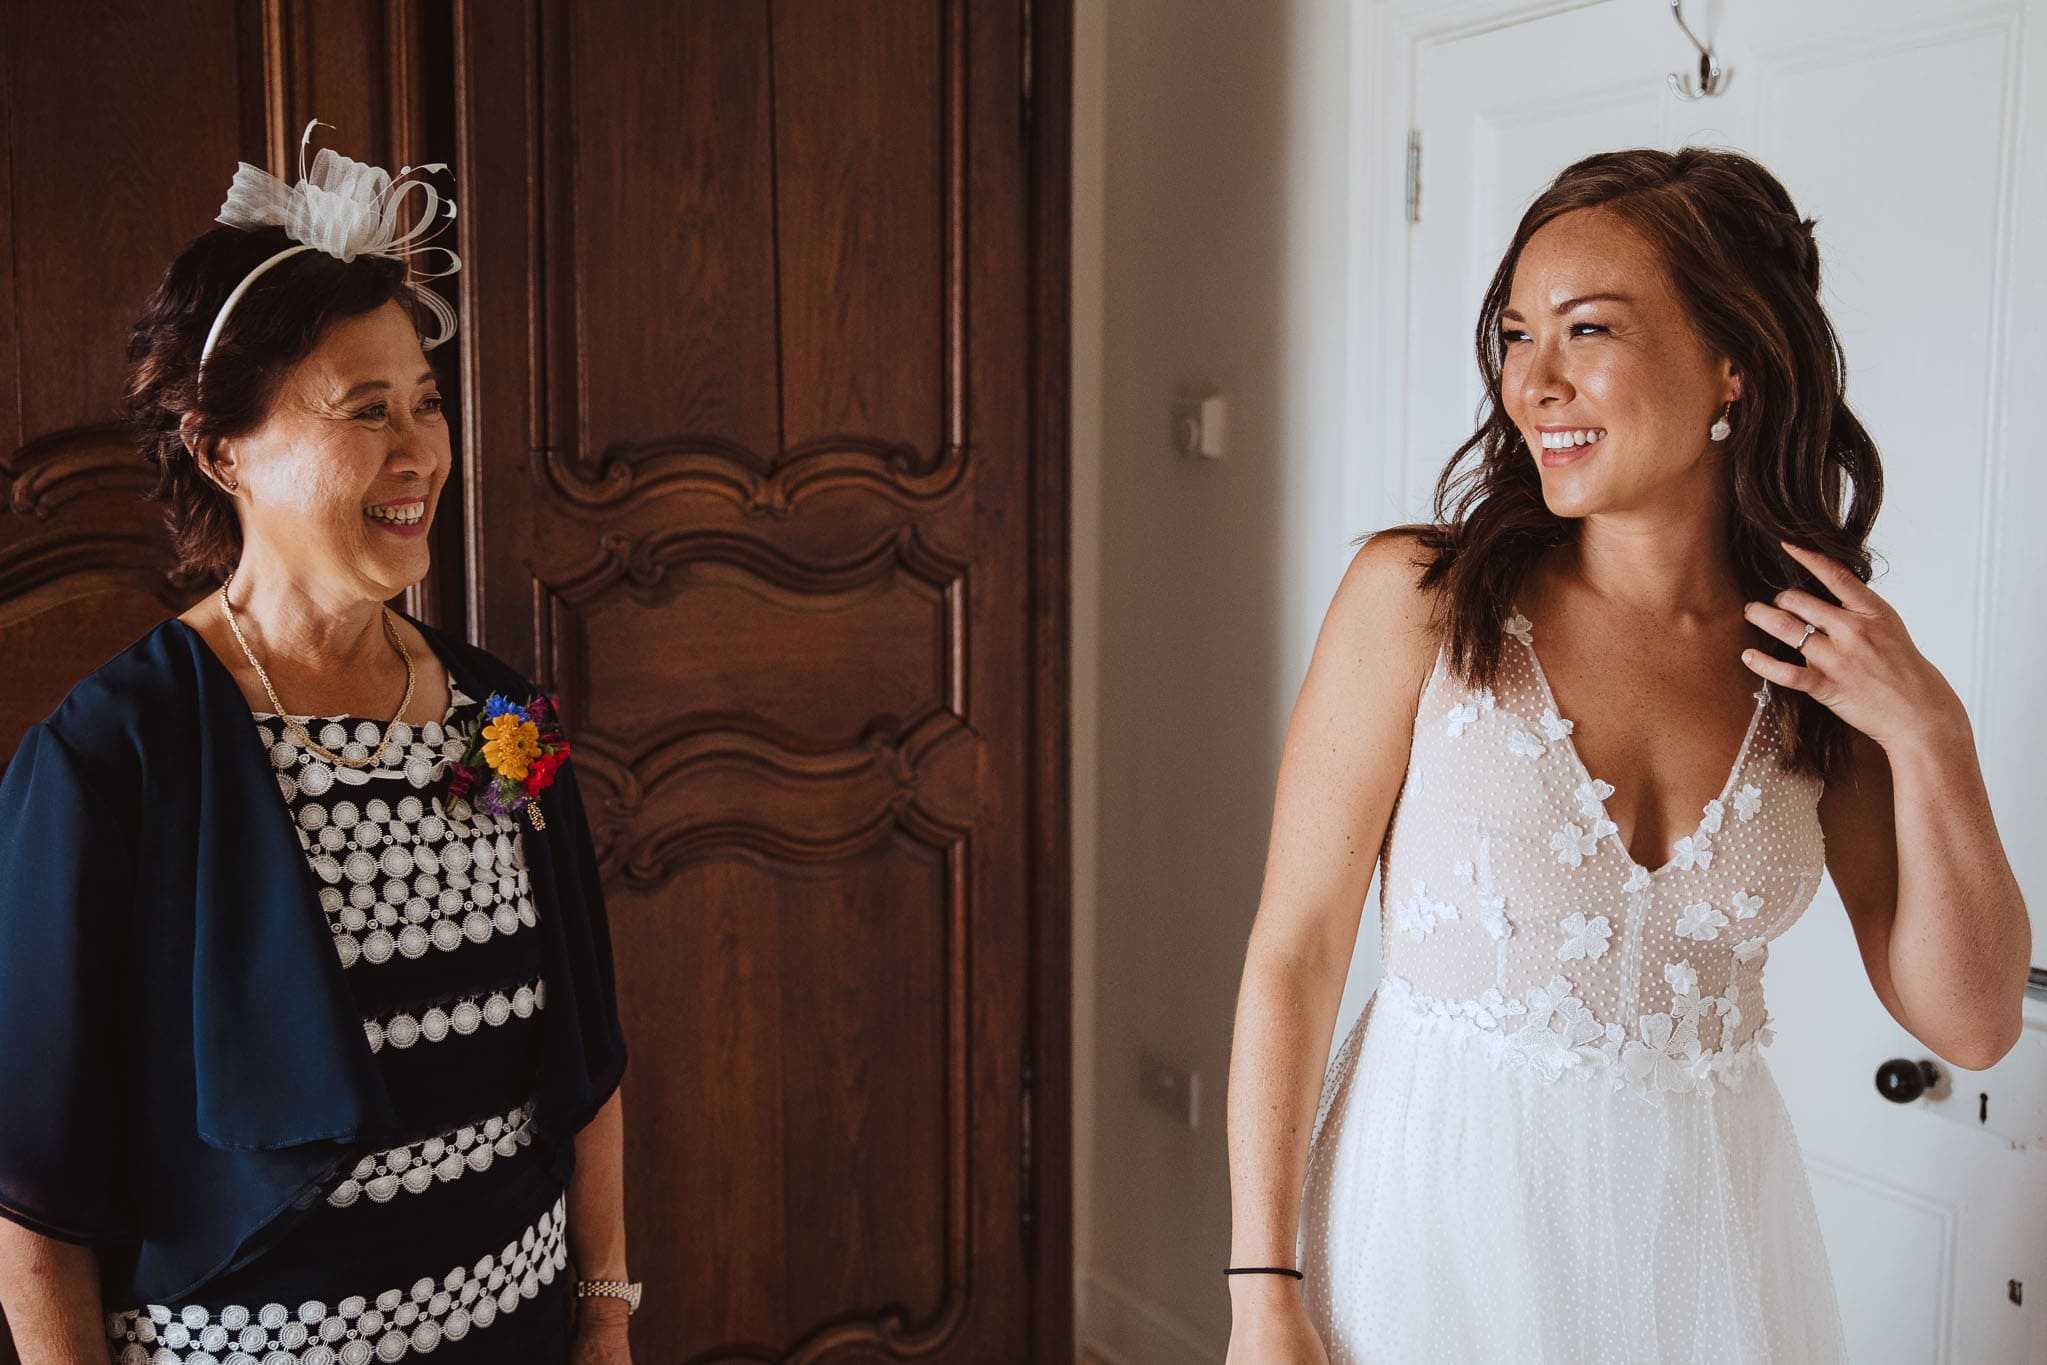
629 1290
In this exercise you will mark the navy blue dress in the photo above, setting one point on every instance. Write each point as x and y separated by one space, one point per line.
431 1225
451 1243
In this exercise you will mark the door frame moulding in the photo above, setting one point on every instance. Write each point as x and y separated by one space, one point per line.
1050 1252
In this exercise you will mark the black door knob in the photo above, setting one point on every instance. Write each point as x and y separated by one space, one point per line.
1902 1081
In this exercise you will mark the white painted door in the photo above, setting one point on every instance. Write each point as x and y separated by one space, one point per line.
1917 134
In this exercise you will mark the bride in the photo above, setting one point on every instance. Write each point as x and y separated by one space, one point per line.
1602 725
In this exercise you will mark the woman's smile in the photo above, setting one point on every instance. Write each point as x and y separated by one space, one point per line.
1561 445
405 517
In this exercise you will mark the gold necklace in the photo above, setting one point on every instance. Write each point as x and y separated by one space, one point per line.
390 633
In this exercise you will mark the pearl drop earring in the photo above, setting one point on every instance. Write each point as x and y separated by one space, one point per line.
1720 430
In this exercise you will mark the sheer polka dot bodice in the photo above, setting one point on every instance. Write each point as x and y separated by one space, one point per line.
1514 912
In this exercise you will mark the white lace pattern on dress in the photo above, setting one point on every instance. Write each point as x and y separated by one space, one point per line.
1525 925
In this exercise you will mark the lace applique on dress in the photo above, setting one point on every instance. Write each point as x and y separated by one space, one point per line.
1651 977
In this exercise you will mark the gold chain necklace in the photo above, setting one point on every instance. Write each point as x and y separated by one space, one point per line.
390 633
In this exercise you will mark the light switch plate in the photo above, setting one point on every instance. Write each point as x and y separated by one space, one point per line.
1200 426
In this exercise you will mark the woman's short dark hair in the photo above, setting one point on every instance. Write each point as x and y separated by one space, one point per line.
274 326
1800 466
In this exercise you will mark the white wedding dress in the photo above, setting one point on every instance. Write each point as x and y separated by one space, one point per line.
1551 1137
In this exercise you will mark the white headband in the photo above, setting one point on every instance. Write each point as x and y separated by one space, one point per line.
345 209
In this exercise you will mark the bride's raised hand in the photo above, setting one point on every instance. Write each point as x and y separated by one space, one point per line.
1859 661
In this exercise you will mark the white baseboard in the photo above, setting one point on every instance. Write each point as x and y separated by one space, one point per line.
1125 1328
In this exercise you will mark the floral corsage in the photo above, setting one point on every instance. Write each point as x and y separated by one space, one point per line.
511 758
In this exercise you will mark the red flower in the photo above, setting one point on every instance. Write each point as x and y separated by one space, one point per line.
540 774
460 780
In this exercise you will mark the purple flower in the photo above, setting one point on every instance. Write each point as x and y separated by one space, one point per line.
491 801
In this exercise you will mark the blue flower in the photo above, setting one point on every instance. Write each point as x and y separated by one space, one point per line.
499 704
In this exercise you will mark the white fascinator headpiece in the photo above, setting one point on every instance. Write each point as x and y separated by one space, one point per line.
345 209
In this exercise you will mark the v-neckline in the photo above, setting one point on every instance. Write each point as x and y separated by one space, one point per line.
1762 696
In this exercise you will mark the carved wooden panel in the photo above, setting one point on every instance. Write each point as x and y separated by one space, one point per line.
824 1105
752 453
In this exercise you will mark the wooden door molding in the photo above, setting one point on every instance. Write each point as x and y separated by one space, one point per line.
769 485
900 570
1048 1058
50 470
766 475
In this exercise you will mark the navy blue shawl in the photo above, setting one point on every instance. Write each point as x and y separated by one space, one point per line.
182 1064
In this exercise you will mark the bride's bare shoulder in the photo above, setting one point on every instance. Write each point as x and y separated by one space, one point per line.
1348 740
1383 602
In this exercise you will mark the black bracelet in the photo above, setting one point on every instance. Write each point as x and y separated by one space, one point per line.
1262 1270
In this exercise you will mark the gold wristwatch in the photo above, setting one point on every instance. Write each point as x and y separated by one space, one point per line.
611 1289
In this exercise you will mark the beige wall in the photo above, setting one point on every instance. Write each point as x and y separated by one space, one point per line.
1211 252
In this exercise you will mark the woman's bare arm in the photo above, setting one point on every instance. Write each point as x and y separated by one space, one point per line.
1341 771
596 1210
50 1294
1911 842
596 1198
1938 917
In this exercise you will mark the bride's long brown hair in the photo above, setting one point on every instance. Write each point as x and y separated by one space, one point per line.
1800 466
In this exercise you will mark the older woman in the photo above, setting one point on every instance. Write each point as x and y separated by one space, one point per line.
303 957
1607 720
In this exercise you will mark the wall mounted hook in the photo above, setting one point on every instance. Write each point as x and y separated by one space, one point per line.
1712 78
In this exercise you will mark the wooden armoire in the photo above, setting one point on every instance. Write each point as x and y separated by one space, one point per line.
762 466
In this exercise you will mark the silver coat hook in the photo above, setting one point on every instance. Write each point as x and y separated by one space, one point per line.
1713 77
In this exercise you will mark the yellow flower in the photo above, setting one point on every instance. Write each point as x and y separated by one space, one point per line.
510 745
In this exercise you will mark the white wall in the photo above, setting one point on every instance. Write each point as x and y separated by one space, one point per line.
1212 251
